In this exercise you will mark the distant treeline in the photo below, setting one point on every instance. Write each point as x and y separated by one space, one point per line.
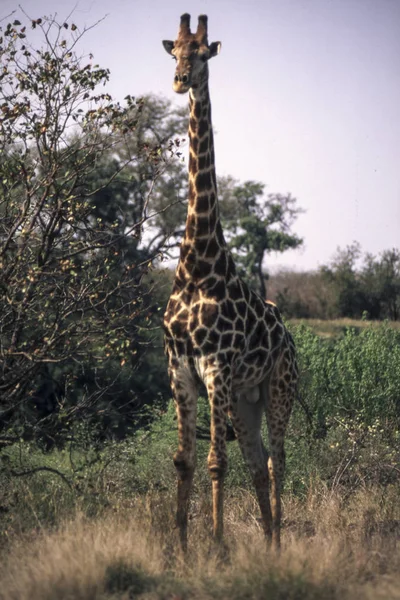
353 285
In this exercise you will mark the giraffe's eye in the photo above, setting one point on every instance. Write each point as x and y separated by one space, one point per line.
173 57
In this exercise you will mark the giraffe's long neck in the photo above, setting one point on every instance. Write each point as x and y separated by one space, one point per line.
203 250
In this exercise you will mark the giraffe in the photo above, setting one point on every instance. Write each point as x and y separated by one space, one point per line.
218 331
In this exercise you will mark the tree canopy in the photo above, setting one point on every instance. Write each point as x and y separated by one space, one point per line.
255 225
74 197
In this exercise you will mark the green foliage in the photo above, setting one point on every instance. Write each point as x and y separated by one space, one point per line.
373 287
352 387
354 376
153 183
380 279
342 273
76 315
256 225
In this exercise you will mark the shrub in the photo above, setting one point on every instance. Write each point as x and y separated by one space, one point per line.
352 387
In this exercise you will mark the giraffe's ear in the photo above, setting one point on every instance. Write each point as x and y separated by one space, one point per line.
168 45
214 48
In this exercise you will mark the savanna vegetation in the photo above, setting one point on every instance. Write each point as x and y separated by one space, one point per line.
92 203
354 284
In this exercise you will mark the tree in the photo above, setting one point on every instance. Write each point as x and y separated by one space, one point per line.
342 274
302 294
75 311
256 225
154 174
365 284
380 280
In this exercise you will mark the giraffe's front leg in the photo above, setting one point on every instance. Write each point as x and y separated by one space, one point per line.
218 395
185 392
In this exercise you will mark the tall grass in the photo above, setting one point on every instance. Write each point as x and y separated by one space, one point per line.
330 552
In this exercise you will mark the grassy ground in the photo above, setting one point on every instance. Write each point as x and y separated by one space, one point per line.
335 327
330 551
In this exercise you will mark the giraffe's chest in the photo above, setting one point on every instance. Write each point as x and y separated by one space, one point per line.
228 331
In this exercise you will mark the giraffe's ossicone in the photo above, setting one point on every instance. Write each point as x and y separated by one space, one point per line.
217 330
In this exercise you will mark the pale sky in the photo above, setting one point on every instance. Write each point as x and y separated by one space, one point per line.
305 97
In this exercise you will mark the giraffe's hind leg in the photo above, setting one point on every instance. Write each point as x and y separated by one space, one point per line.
281 394
246 416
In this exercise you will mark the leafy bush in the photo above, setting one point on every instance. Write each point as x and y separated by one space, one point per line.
354 376
352 388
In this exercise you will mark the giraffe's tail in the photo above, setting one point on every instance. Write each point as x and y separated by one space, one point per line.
203 433
306 408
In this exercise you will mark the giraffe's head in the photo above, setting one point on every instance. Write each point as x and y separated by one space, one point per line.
191 52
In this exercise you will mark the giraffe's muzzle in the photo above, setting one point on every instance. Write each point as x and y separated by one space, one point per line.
181 83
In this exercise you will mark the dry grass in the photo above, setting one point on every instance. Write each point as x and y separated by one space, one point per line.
330 552
334 327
